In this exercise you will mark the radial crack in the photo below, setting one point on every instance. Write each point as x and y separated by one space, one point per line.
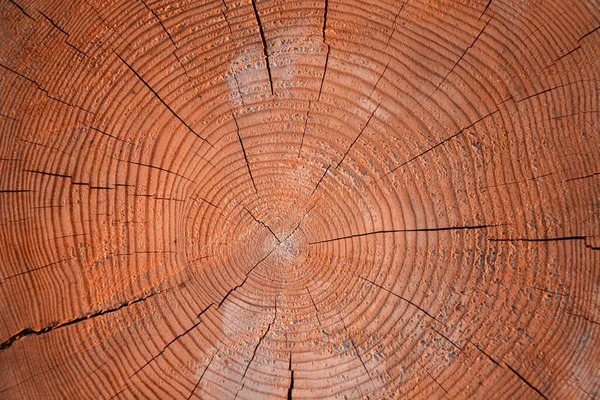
261 223
237 127
86 316
173 341
356 349
202 375
264 43
319 182
400 297
459 60
260 341
155 93
357 136
314 305
233 289
291 387
450 228
441 143
22 10
525 381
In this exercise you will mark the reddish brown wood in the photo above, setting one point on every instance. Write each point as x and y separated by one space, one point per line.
299 199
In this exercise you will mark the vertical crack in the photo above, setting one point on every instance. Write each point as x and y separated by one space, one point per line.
264 43
260 340
244 152
357 136
289 393
202 375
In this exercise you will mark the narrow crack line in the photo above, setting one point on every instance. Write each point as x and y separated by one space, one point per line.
264 43
11 118
589 33
291 387
237 83
440 143
554 88
47 173
23 76
435 380
205 201
356 349
324 72
22 9
314 305
15 190
541 289
400 297
76 49
484 353
585 318
379 79
319 182
155 93
459 60
518 182
566 54
304 129
66 103
485 9
551 239
45 92
357 136
160 22
107 134
326 7
33 270
237 128
448 340
394 26
450 228
525 381
239 390
202 375
174 45
582 177
233 289
155 167
54 24
173 341
260 222
300 222
260 341
84 317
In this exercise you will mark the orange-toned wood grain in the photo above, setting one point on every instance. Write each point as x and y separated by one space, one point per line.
299 199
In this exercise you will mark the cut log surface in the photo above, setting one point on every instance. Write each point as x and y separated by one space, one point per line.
281 199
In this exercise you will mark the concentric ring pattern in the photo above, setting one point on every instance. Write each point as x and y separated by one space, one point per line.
299 199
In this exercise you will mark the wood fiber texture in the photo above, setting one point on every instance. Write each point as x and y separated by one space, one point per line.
282 199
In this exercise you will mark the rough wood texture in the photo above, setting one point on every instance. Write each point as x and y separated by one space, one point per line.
299 199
